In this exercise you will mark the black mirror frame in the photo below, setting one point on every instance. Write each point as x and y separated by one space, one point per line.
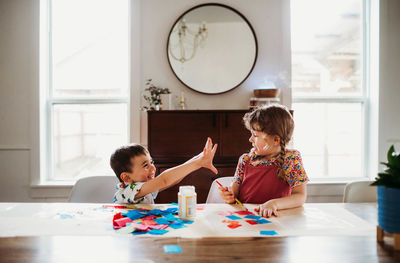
243 17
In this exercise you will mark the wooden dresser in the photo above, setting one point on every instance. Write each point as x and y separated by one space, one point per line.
176 136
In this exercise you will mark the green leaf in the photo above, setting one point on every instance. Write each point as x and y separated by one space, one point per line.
393 157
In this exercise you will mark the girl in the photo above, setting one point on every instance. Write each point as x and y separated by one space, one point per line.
270 174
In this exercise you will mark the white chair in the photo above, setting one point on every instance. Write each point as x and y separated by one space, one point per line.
213 194
359 192
94 189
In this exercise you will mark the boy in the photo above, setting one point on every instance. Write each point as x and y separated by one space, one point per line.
135 170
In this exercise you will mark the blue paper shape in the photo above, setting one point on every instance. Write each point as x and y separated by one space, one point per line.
65 216
171 210
263 221
172 249
187 221
157 231
134 214
161 221
268 233
177 225
156 212
139 233
174 204
253 217
233 217
170 217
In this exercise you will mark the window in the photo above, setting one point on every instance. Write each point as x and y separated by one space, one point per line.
85 46
328 87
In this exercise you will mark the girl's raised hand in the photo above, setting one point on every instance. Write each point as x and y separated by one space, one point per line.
267 209
206 157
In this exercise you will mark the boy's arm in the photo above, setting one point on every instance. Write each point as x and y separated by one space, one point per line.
175 174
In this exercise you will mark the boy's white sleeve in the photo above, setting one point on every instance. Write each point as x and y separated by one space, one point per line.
127 194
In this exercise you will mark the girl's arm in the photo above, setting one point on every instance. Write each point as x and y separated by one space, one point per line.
175 174
296 199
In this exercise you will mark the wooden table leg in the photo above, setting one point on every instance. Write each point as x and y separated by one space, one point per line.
379 234
396 237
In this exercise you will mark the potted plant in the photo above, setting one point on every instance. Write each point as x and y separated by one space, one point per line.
388 183
154 95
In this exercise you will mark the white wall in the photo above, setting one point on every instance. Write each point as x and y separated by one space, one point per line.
19 38
270 21
389 77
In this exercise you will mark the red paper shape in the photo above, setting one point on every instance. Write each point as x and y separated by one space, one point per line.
121 222
200 207
158 226
251 222
244 213
149 217
115 217
226 213
233 226
149 222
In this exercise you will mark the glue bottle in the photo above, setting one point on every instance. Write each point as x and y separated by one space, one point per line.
187 201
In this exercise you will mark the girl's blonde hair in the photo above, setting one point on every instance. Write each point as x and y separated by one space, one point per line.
272 120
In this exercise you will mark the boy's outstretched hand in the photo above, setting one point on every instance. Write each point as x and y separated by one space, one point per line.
205 159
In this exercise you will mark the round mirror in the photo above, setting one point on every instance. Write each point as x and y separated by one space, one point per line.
212 48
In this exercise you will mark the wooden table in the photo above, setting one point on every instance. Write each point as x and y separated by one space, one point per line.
79 248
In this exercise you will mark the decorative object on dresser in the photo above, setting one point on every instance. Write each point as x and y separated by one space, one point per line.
388 184
154 96
255 102
176 136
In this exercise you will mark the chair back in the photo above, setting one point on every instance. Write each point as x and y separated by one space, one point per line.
213 194
94 189
359 192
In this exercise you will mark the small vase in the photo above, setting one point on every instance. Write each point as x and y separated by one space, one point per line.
166 101
389 209
157 107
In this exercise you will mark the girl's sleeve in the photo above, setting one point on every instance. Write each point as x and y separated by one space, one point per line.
296 175
238 177
127 194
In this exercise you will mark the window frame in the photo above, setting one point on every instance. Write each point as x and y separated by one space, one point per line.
47 101
363 99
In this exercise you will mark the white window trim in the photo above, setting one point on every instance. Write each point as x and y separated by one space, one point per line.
364 99
40 186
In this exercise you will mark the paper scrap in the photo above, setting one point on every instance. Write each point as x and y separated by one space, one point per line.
172 249
268 233
158 231
262 221
233 226
233 217
200 207
252 222
252 217
244 213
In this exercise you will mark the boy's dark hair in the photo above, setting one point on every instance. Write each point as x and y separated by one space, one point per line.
120 160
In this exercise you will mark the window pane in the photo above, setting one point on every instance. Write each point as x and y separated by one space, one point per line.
326 47
84 136
89 51
329 137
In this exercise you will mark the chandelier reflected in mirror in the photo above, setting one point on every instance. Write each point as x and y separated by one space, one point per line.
184 42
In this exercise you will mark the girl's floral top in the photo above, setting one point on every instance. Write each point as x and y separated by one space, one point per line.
292 165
